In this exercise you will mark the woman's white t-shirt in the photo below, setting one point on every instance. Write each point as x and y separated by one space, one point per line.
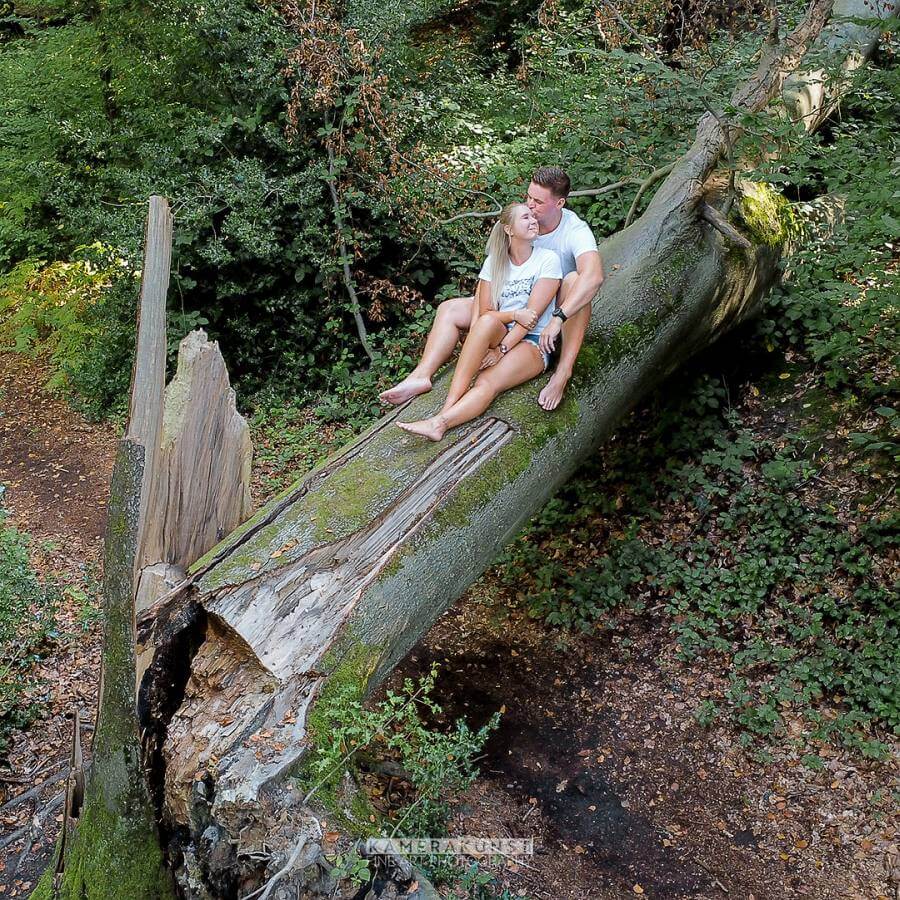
520 280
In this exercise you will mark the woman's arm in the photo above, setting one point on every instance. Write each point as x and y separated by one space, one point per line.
482 307
541 296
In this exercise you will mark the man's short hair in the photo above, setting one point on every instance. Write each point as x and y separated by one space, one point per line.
553 178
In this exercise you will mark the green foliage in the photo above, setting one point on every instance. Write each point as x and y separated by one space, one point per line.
350 866
27 623
840 303
230 110
883 439
437 762
77 314
189 102
795 605
785 588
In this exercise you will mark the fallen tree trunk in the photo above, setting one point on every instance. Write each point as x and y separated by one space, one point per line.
336 579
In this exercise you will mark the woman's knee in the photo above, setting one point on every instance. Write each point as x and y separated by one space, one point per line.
486 324
457 310
486 383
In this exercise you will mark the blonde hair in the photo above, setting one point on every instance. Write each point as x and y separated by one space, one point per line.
498 250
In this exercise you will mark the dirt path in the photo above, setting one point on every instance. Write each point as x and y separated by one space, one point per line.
55 467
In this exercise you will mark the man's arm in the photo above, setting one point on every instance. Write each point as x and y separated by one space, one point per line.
590 276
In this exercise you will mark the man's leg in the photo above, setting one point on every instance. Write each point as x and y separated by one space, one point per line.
451 321
573 332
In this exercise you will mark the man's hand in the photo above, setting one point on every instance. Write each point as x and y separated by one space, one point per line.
491 358
525 317
547 341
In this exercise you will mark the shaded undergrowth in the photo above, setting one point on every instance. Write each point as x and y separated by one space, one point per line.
750 506
27 622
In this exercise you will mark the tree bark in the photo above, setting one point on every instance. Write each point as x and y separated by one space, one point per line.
181 481
113 851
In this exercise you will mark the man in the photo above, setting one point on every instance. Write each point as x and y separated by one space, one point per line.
560 230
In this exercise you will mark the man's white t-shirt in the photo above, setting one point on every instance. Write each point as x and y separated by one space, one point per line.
568 240
542 263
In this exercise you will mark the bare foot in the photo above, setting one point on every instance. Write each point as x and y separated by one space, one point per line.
407 389
551 396
433 428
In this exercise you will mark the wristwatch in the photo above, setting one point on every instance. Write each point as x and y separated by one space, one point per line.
503 349
560 314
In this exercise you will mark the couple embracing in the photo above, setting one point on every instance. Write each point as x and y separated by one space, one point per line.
534 294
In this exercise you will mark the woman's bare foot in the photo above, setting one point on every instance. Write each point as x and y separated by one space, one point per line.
433 428
551 396
407 389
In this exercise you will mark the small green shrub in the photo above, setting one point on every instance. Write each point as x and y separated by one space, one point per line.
436 761
27 623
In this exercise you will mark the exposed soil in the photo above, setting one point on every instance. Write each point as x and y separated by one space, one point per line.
599 758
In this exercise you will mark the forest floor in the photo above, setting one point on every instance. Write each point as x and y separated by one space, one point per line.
55 467
601 761
598 755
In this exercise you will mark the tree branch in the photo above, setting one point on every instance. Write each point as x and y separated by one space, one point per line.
711 215
587 192
649 181
345 260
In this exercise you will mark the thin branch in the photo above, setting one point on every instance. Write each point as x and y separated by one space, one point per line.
606 189
587 192
731 193
53 805
286 869
720 223
469 215
345 259
34 792
649 181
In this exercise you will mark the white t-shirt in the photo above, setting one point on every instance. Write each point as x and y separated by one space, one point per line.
520 280
568 240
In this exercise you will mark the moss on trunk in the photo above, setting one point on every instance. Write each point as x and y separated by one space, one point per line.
114 851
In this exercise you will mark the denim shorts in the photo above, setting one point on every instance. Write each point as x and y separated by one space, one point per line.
534 339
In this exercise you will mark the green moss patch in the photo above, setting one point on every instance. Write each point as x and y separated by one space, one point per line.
765 214
109 858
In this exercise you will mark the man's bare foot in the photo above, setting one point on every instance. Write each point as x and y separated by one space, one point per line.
433 429
407 389
551 396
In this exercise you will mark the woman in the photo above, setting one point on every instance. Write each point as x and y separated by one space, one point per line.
516 291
